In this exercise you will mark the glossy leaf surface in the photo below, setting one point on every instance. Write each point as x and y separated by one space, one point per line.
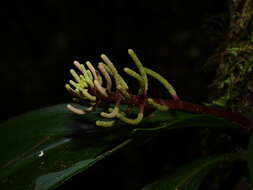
52 144
49 140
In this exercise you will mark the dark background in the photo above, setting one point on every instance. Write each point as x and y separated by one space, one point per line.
40 39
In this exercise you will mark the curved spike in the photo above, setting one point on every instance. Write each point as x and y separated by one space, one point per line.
130 121
87 94
75 75
157 106
92 69
77 85
86 76
90 75
135 75
106 76
113 113
75 110
73 83
100 88
107 68
109 63
71 90
78 65
120 83
100 79
163 81
105 123
83 81
140 67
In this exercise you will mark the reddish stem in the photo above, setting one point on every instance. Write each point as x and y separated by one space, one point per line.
246 123
140 101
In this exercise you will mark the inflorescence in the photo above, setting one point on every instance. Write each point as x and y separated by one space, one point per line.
95 87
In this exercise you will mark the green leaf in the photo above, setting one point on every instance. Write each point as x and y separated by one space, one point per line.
190 176
49 140
178 119
52 143
52 180
250 158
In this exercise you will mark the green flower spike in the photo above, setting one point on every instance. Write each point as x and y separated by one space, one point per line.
92 69
106 75
88 87
141 70
113 113
119 81
137 77
76 110
163 81
86 75
157 106
135 121
105 123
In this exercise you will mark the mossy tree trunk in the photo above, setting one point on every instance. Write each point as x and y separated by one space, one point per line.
232 86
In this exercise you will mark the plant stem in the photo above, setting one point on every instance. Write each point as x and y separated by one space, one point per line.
246 123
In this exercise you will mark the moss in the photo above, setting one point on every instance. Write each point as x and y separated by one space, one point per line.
232 84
